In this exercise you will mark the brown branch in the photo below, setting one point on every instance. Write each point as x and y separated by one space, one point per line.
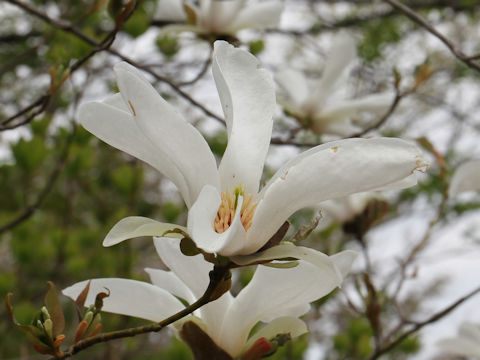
419 325
43 101
70 28
410 13
217 277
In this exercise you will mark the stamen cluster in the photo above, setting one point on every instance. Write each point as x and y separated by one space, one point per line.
227 209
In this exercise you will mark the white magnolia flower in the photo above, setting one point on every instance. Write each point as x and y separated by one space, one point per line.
465 178
227 212
220 17
344 209
320 107
274 296
467 343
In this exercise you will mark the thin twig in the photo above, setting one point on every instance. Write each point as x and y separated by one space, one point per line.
410 13
43 101
383 119
419 325
70 28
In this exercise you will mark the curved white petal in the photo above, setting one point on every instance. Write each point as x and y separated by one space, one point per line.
328 171
374 103
465 178
409 181
344 261
248 101
284 325
170 10
111 123
201 217
258 16
137 226
191 270
270 292
285 251
295 85
129 297
170 282
342 53
180 142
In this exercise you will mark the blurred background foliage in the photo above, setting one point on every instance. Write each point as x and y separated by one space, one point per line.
62 189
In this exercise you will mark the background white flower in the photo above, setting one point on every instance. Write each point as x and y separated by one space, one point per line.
274 296
345 209
465 178
220 17
227 212
467 343
319 107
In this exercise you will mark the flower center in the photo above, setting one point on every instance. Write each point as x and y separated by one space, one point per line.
226 211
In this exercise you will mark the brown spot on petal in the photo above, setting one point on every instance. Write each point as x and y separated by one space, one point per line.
335 149
133 109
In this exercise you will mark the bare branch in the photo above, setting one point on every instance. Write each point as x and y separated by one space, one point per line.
419 325
410 13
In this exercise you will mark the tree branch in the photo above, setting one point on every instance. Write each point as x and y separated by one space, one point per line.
419 325
410 13
217 276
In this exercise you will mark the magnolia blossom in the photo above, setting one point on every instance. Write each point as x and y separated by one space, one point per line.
321 107
467 343
227 213
465 178
274 296
345 209
220 17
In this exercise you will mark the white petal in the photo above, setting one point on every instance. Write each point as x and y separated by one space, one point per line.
220 15
344 128
409 181
170 282
259 16
201 217
111 123
328 171
375 103
248 101
295 85
170 10
344 261
284 251
191 270
129 297
465 178
180 142
470 331
284 325
342 53
271 292
459 346
137 226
